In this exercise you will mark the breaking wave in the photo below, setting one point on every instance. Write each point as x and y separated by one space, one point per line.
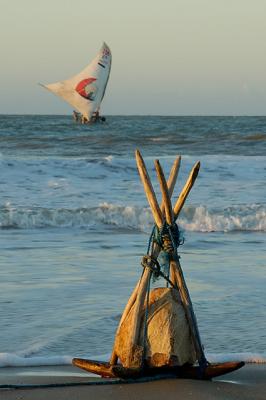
193 218
108 214
236 218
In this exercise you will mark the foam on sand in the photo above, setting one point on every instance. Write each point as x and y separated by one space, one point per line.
14 360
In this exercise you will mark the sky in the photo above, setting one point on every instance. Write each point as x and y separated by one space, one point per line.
170 57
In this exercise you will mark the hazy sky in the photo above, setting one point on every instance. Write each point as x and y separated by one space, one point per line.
170 57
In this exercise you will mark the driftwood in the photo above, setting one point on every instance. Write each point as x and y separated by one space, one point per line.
158 332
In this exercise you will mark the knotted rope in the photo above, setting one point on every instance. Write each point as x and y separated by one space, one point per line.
168 237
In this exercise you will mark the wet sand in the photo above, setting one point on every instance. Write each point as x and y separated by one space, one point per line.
248 383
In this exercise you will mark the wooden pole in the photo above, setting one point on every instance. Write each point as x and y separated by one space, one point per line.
172 179
135 356
185 192
165 193
155 209
130 303
188 307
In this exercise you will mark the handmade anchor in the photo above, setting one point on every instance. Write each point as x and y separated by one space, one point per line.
158 332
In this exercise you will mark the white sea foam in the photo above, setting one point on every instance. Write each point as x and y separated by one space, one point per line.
14 360
109 158
55 184
237 218
193 218
250 358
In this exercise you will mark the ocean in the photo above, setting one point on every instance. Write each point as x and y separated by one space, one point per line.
75 223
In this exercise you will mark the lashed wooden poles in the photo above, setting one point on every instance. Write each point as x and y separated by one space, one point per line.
175 265
204 370
158 217
156 250
135 355
138 296
135 358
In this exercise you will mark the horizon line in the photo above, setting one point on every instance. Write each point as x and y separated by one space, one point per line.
137 115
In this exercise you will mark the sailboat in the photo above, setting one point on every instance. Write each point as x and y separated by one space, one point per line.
85 91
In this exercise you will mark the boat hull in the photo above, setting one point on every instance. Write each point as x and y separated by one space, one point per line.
107 370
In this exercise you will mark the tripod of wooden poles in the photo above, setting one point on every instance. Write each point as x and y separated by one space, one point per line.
161 214
128 358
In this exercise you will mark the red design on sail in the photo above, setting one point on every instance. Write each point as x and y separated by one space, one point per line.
86 88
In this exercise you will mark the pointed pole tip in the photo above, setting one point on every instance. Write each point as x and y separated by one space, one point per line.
138 154
197 167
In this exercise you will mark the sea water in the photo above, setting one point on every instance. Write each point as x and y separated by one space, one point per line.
74 225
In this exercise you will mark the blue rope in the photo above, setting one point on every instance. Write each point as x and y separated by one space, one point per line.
159 236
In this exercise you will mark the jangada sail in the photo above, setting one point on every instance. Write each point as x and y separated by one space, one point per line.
85 91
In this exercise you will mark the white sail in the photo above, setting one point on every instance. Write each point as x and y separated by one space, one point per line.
85 90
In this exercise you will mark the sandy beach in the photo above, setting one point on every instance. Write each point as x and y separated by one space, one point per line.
247 383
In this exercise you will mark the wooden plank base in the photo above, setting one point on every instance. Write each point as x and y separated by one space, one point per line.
106 370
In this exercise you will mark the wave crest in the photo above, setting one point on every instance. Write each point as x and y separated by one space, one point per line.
235 218
193 218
